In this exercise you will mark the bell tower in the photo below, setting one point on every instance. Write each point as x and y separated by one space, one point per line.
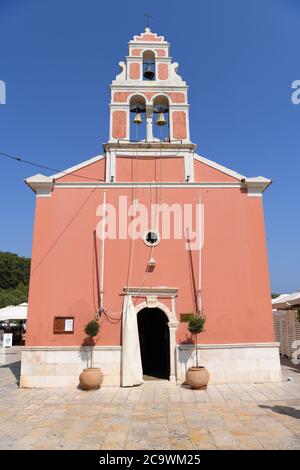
149 106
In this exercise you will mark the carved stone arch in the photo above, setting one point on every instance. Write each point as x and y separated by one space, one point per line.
148 113
146 49
139 131
158 101
160 94
172 324
131 95
170 315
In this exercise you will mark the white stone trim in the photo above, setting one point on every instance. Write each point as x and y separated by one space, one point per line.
42 185
254 192
110 166
230 345
172 319
70 348
148 31
164 292
119 106
162 59
148 47
179 107
146 185
189 167
133 59
136 44
257 185
153 152
139 85
172 105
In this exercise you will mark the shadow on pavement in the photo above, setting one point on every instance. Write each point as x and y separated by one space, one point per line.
285 361
283 410
15 368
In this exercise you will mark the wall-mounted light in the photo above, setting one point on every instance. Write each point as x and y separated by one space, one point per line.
151 263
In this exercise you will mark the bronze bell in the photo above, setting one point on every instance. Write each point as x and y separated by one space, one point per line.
149 74
137 118
161 121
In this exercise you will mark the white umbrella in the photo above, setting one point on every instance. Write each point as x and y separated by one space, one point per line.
286 300
14 312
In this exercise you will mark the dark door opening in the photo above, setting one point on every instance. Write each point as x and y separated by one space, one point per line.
154 343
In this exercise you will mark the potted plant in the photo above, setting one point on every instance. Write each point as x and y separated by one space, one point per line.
92 377
197 376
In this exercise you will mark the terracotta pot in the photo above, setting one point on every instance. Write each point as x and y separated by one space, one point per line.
91 379
197 377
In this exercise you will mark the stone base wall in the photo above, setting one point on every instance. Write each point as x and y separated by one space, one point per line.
61 366
232 363
48 366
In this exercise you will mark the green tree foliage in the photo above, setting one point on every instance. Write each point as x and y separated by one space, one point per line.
196 324
92 328
14 279
274 295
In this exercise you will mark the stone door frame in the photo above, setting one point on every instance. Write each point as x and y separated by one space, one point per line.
152 294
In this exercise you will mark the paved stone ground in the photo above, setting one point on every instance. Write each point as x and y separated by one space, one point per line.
153 416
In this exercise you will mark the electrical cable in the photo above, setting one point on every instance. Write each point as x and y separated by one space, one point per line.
28 162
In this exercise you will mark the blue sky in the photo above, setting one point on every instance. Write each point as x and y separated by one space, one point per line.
239 57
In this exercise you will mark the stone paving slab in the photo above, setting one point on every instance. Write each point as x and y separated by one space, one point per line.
152 416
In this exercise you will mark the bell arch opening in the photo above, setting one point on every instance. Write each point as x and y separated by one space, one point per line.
161 121
137 106
154 337
148 65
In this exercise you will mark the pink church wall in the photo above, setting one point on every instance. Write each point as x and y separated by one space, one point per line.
119 124
134 71
148 94
176 97
121 96
179 124
93 172
148 37
136 52
164 169
162 71
235 255
160 52
236 291
205 173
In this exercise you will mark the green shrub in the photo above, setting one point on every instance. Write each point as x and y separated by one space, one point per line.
196 324
92 328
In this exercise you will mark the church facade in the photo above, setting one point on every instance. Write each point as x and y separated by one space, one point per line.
141 238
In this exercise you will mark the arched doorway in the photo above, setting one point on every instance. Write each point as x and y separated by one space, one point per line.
154 339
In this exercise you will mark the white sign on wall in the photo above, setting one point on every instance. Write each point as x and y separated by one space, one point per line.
69 324
7 340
